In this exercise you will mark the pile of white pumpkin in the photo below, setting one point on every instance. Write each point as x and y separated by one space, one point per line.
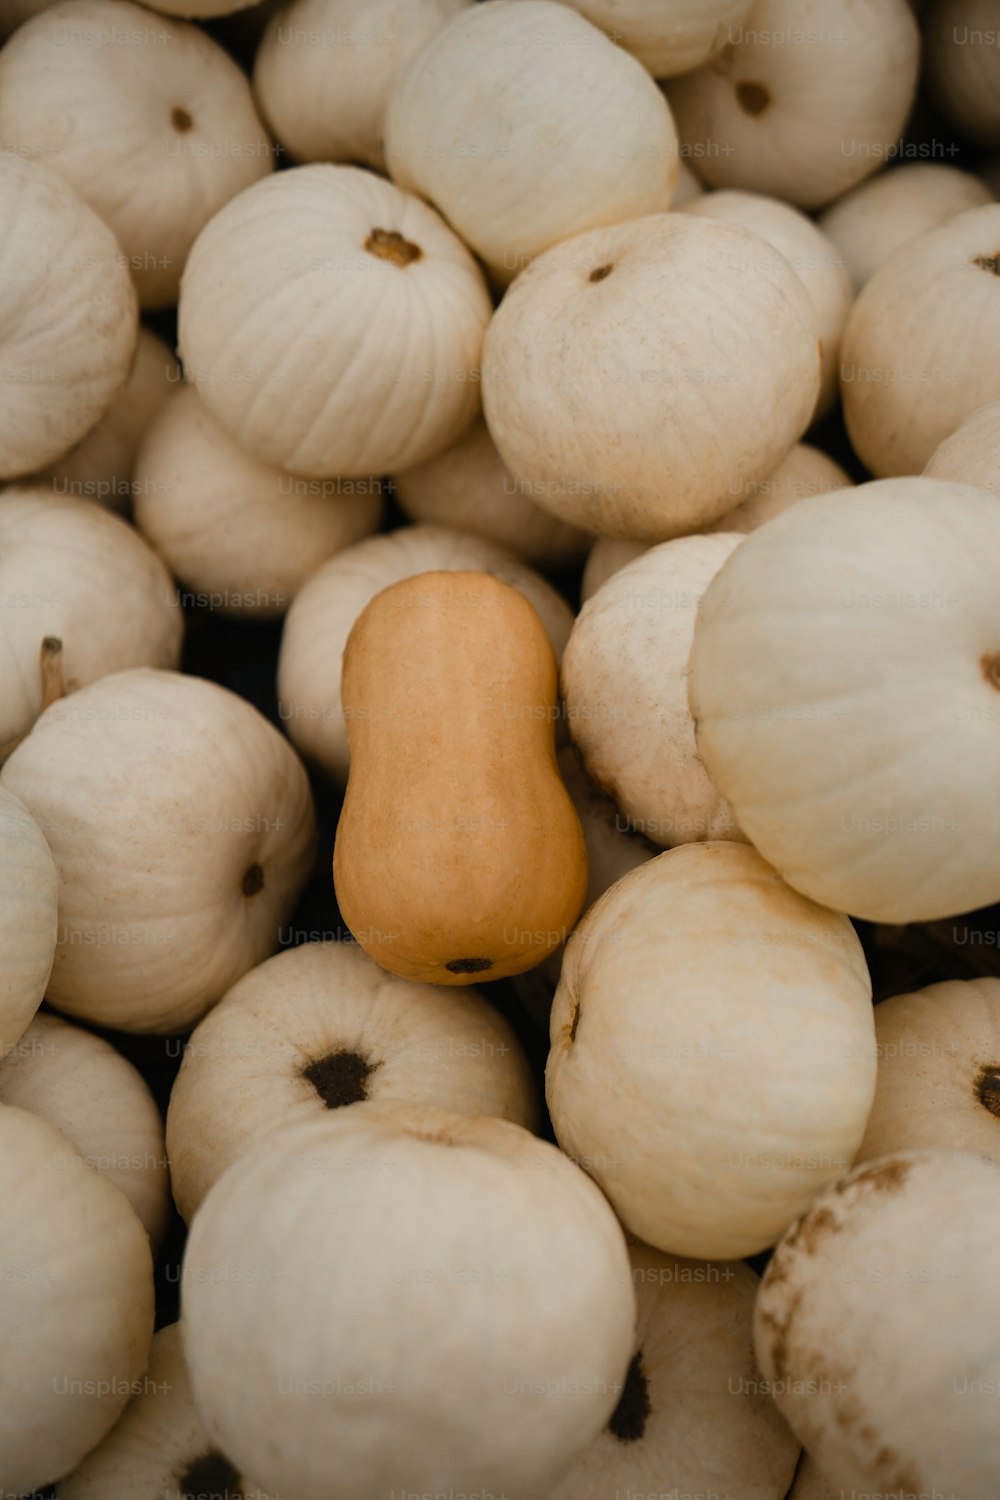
579 277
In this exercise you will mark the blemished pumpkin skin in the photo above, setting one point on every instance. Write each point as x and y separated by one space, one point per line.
667 36
68 315
963 66
101 1104
846 697
877 1326
199 816
327 605
29 895
459 855
971 455
712 1058
322 1027
76 1303
474 1338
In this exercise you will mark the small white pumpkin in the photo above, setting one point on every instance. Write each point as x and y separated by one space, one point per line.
971 455
809 97
76 1303
878 1327
101 1104
29 894
152 123
712 1058
68 317
874 219
633 374
524 124
667 36
321 1027
475 1336
240 533
624 679
359 316
198 814
962 52
325 608
325 68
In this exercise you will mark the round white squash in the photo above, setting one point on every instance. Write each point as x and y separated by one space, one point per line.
524 124
878 1326
102 1106
350 344
29 897
325 68
735 1019
667 36
199 817
845 685
68 317
633 374
874 219
322 613
918 352
971 455
320 1027
73 574
242 535
808 98
962 52
692 1419
624 679
474 1337
152 123
76 1303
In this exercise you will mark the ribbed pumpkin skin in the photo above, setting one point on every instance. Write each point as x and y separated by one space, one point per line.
459 855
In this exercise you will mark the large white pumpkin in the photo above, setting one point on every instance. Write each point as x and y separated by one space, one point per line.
962 51
667 36
29 893
971 455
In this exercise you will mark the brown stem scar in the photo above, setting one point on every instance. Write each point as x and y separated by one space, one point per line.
989 263
340 1078
469 965
991 668
181 120
388 244
600 273
253 880
988 1088
753 98
628 1420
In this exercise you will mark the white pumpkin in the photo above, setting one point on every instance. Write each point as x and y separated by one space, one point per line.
878 1327
689 186
624 679
159 1446
73 574
242 535
325 68
524 125
607 556
101 1104
917 356
633 374
667 36
891 208
971 455
962 51
712 1057
201 10
153 124
68 317
29 894
692 1419
320 1027
808 98
321 616
359 316
470 486
76 1303
475 1336
818 263
199 817
845 685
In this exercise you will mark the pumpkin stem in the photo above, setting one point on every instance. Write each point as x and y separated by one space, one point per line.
989 263
210 1477
387 244
628 1420
340 1078
753 98
469 965
988 1088
991 669
53 687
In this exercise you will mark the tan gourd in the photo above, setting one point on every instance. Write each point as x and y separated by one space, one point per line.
971 455
963 66
29 894
458 852
319 1028
667 36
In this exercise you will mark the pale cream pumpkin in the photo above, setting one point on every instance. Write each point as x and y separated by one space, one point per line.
846 693
734 1017
101 1104
321 616
634 374
68 317
76 1303
241 534
321 1027
524 124
878 1325
330 252
971 455
198 815
325 68
152 123
475 1335
809 97
74 575
962 52
29 894
667 36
